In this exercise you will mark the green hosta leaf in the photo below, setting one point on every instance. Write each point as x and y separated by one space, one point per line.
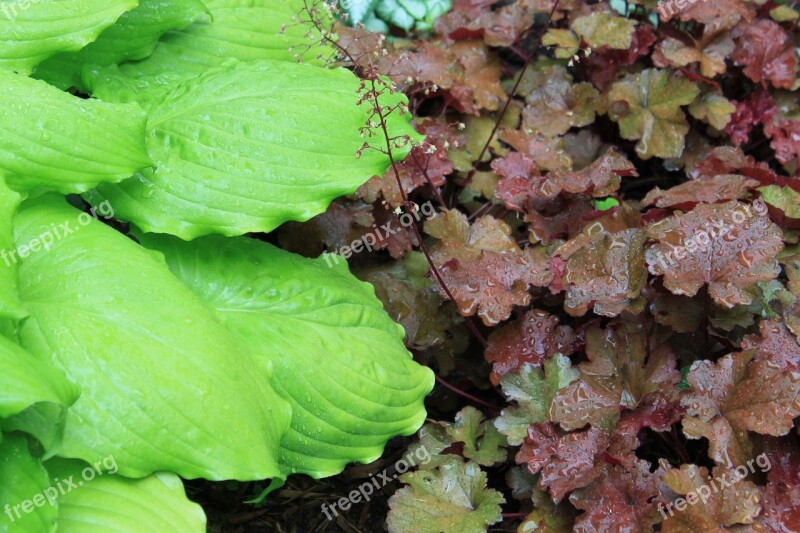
453 497
110 502
244 30
21 477
533 388
164 386
27 380
248 147
338 358
54 140
652 113
605 29
31 31
10 306
134 36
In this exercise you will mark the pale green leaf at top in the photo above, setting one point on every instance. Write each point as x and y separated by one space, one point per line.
605 29
532 388
652 115
398 14
248 147
714 109
783 14
482 442
243 30
408 14
22 477
338 358
785 199
165 387
358 11
107 502
10 306
28 380
452 497
34 30
54 140
132 37
566 42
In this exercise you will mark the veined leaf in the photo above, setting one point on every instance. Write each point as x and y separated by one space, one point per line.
54 140
22 476
132 37
653 113
338 358
244 30
32 31
110 502
10 306
28 380
165 386
246 148
453 497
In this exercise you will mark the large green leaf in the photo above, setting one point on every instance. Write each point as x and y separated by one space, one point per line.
21 477
27 380
107 502
10 306
164 386
54 140
133 36
248 147
34 30
337 356
244 30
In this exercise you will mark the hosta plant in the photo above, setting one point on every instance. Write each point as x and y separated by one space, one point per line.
141 329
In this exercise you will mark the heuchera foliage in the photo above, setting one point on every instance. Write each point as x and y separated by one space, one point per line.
618 188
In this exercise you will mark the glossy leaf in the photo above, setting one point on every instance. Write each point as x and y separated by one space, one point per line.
230 158
28 380
134 36
244 30
338 359
21 477
728 246
54 140
10 306
106 501
125 328
30 32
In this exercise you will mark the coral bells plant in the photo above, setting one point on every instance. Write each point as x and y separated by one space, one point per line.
585 316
